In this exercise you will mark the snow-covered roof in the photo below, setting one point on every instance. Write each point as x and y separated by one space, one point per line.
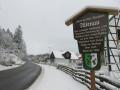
109 10
58 54
73 55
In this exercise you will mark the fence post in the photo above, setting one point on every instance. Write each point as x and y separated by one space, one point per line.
101 80
92 77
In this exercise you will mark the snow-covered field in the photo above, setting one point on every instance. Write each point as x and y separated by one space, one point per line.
54 79
113 75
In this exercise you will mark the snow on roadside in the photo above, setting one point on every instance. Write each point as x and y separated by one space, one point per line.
54 79
11 58
7 67
115 75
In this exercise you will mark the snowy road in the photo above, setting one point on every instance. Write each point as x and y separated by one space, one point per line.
19 78
54 79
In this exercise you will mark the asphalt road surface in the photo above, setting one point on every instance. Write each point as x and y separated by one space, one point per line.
19 78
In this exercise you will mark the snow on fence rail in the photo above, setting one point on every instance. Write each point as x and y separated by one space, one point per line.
83 77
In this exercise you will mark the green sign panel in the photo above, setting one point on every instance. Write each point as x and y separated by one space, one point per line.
91 60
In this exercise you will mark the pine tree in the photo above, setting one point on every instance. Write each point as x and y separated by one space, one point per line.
9 32
18 35
18 40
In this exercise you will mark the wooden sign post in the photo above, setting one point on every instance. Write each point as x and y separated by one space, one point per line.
90 27
92 77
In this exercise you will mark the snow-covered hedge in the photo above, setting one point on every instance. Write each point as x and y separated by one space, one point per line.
9 59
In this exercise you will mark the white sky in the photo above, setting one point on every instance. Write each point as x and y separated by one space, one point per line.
42 21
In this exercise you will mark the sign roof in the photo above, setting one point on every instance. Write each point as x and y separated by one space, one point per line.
109 10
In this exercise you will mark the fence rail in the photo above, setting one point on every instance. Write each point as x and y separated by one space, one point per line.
83 76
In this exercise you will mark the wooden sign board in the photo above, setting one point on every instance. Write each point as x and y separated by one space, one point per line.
90 25
90 30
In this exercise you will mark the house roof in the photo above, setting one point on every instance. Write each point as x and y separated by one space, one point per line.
109 10
58 54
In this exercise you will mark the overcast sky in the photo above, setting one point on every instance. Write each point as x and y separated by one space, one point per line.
42 21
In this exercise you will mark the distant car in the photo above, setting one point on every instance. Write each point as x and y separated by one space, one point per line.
79 66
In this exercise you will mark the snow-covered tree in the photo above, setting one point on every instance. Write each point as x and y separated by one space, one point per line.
9 32
11 44
5 39
18 35
18 40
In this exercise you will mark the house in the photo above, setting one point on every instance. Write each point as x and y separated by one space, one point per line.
64 57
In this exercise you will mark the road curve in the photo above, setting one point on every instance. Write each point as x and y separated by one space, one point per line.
19 78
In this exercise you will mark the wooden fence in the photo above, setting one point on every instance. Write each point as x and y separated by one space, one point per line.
83 76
